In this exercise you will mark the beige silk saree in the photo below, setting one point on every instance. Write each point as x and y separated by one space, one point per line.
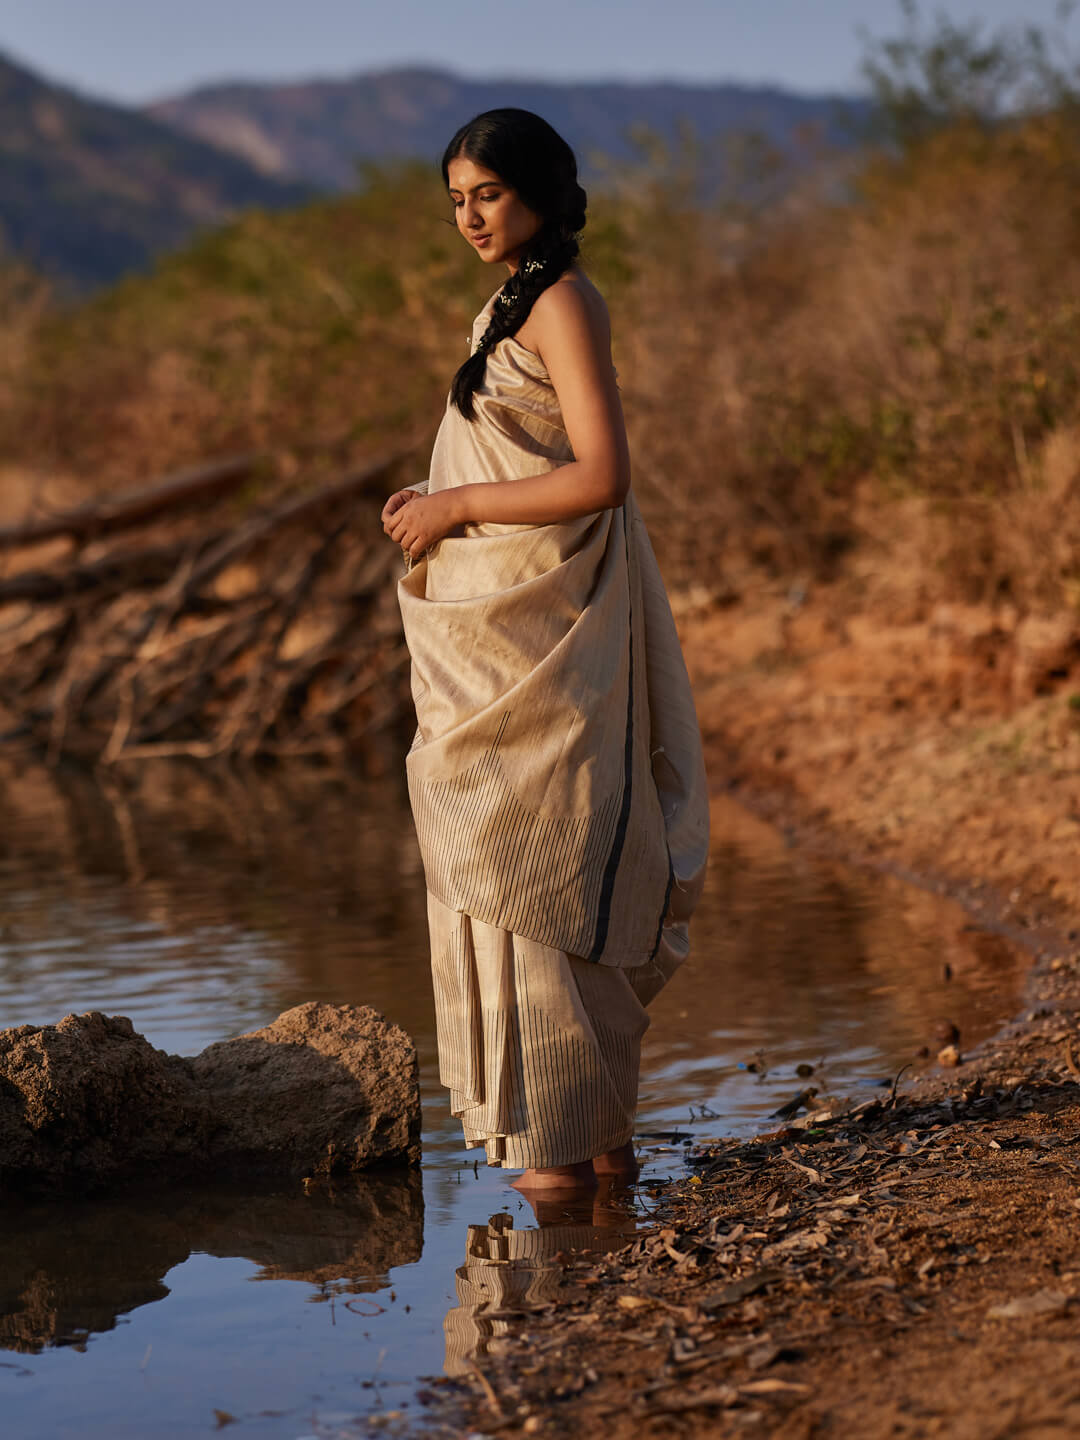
558 790
556 777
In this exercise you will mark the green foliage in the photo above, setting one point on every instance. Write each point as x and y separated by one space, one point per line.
937 75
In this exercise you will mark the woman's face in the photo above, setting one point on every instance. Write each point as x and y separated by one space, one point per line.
490 215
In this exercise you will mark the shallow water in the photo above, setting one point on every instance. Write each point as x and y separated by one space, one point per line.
202 904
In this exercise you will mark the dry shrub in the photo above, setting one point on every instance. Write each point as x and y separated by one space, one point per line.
1026 543
24 300
723 426
922 334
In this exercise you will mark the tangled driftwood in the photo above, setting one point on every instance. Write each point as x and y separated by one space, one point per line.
182 620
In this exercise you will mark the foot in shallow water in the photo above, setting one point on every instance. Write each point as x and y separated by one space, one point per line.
558 1177
621 1162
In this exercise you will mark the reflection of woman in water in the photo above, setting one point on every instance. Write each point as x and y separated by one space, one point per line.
510 1272
556 777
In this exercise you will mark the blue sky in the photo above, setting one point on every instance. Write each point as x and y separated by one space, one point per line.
136 50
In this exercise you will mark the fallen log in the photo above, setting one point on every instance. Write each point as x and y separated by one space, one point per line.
299 509
213 480
268 636
126 569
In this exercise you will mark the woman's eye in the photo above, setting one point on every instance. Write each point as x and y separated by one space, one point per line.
490 197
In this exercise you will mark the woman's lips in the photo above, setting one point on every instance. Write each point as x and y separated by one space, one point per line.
480 239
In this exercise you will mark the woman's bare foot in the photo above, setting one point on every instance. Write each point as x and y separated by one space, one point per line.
621 1162
558 1177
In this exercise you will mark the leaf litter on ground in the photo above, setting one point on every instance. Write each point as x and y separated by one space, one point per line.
859 1217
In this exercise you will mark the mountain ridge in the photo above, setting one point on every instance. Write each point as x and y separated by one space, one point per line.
90 190
323 128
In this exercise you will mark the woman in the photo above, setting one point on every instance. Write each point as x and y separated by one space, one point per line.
556 777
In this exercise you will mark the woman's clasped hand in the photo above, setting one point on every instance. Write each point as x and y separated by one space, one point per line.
415 521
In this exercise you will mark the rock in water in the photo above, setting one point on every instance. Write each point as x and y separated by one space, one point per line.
89 1098
88 1102
325 1088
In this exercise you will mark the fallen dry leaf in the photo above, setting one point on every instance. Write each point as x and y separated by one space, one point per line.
1042 1304
773 1387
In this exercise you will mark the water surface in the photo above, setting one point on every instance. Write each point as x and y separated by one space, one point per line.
202 903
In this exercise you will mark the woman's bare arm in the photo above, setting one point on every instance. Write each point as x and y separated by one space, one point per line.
570 332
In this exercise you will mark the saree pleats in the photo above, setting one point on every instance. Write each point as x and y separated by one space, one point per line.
540 1050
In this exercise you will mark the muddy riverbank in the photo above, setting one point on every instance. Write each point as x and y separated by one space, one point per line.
911 1268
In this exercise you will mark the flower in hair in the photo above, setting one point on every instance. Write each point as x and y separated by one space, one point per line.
532 266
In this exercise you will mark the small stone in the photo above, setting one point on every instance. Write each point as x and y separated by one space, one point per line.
949 1057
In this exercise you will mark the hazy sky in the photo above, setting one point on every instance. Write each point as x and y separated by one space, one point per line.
140 49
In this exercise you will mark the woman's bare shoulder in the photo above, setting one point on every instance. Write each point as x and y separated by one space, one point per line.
572 300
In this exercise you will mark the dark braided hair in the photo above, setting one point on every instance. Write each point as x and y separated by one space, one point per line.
529 156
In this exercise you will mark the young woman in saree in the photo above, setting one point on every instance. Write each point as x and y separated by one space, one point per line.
556 777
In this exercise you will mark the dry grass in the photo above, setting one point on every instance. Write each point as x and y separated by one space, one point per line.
24 301
922 338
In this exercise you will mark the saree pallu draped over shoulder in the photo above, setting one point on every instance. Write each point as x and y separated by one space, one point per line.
556 777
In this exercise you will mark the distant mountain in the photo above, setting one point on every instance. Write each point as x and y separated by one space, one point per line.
91 190
319 130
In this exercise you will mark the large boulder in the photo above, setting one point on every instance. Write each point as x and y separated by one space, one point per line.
88 1102
324 1088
